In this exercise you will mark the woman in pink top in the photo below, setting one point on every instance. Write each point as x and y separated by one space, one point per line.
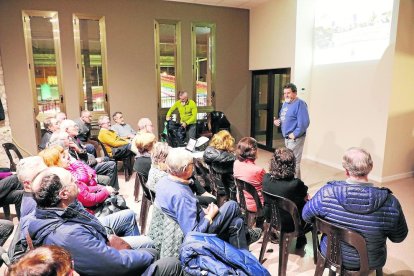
245 169
90 193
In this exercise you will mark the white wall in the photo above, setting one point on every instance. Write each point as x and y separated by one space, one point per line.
349 107
272 35
350 104
302 75
399 151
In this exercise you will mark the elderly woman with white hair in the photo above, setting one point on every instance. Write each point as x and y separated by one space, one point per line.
158 170
175 199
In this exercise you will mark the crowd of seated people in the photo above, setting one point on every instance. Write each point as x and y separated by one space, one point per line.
55 194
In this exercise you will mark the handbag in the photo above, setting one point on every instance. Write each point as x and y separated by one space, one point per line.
112 204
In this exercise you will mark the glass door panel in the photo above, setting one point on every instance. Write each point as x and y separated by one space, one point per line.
167 63
260 86
267 99
89 33
203 60
42 41
280 80
167 35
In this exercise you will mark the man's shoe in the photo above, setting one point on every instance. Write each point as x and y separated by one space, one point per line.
253 235
301 241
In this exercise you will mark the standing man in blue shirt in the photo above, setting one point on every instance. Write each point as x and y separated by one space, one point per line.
294 120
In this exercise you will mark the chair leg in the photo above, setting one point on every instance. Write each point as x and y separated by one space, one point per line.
266 238
137 187
6 210
378 272
284 244
251 219
315 243
126 165
143 214
320 265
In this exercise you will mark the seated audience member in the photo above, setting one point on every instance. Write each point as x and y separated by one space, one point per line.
176 200
43 261
355 203
84 126
144 126
245 169
117 147
26 171
62 221
72 129
105 169
11 192
158 170
51 125
60 116
281 181
145 142
220 157
121 128
6 229
90 193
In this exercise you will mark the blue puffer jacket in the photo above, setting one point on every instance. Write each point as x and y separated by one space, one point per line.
373 212
206 254
85 238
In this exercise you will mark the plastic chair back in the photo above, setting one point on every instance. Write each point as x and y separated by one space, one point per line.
148 197
335 235
249 188
8 148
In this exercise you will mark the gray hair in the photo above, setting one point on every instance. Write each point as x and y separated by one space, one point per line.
49 122
29 167
60 116
159 153
357 162
143 122
102 118
85 113
178 160
65 124
57 139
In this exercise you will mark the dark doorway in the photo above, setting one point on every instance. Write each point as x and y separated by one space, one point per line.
267 99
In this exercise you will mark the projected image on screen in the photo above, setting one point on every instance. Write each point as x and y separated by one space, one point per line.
351 30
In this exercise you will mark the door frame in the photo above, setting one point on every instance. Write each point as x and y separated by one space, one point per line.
270 104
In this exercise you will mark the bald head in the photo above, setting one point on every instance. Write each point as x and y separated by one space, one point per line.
28 168
145 125
357 162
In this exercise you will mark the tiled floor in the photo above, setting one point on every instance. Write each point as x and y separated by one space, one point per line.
400 256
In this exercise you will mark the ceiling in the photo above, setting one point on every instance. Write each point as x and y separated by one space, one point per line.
242 4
